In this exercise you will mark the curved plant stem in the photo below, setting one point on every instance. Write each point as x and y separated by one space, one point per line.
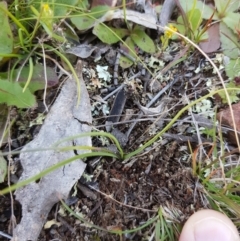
110 136
219 75
222 14
15 20
30 74
150 221
51 169
151 141
76 77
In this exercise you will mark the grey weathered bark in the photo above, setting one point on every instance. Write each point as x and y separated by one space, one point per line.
65 119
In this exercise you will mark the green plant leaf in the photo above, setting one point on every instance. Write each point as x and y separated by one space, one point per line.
61 7
6 37
84 4
12 93
233 94
180 25
233 6
204 37
109 35
229 41
129 49
38 77
205 10
220 5
86 20
125 62
223 10
195 19
83 21
3 168
143 41
233 69
232 20
138 27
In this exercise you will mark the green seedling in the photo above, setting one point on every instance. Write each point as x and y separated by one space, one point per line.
134 35
225 13
30 25
227 18
136 38
190 24
45 17
230 19
164 229
220 192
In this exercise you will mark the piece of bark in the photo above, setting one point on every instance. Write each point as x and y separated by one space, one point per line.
146 20
65 119
117 109
166 12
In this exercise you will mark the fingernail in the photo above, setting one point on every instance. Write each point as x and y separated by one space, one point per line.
213 229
